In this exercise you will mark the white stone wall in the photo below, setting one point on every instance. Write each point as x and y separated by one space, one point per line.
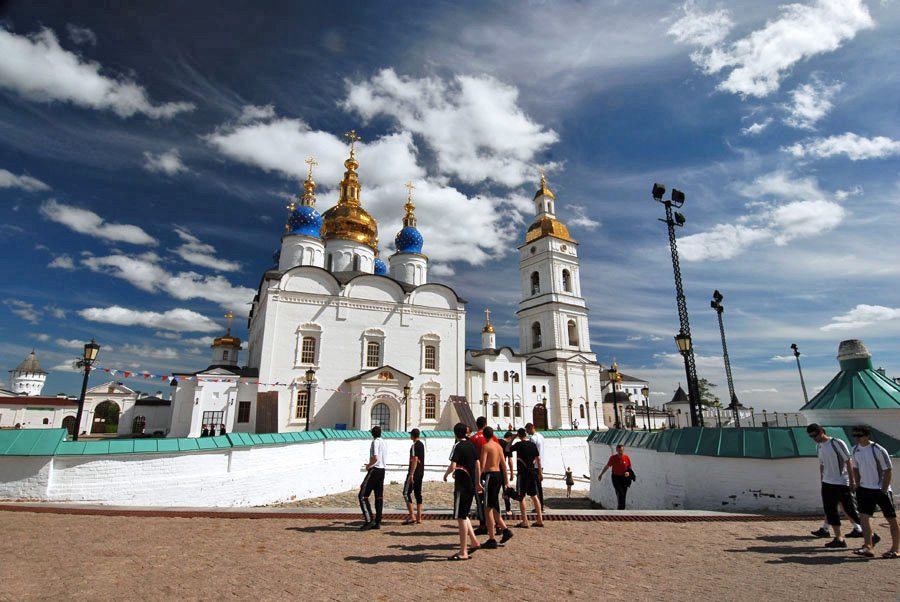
250 476
667 481
33 418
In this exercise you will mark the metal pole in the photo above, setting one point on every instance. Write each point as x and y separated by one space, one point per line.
78 415
308 403
716 304
597 414
690 365
802 383
512 394
615 407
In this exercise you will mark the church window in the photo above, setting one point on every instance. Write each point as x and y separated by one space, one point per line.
381 416
515 377
495 377
46 421
581 409
543 388
534 388
573 333
308 351
224 354
535 283
302 404
430 357
506 409
495 409
330 264
430 406
549 207
518 410
505 376
373 354
243 411
567 281
213 419
138 425
536 335
356 263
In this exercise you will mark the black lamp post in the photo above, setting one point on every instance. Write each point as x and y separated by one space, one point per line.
802 384
406 391
718 413
716 304
484 402
512 392
613 378
90 355
683 341
571 418
690 365
310 377
596 414
646 393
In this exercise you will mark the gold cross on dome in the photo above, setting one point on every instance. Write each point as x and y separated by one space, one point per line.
291 206
543 169
352 137
310 162
488 314
230 317
410 186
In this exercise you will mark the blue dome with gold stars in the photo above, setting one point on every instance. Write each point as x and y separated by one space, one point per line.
380 267
408 240
305 220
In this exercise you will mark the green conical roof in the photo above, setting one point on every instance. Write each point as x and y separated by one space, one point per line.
857 386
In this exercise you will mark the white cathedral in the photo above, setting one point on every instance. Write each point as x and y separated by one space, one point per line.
384 346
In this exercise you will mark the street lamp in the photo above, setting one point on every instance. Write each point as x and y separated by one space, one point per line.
90 355
571 422
512 393
596 414
484 402
716 304
683 341
802 384
718 406
406 391
310 377
752 416
690 365
765 419
614 377
646 393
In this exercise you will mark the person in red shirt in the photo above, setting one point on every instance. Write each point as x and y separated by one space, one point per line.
621 474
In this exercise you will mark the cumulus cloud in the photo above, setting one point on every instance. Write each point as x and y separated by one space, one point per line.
862 315
39 69
440 269
856 147
65 367
759 61
63 262
580 218
27 183
193 251
254 113
79 344
87 222
473 124
810 103
144 351
81 35
56 312
41 337
756 128
782 358
175 319
168 162
24 310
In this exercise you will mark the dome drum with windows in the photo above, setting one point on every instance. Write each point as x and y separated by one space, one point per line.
348 220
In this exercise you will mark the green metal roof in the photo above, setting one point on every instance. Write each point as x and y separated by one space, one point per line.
857 386
30 442
767 443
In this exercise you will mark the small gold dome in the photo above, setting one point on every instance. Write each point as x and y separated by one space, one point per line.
543 190
548 226
488 328
350 223
226 341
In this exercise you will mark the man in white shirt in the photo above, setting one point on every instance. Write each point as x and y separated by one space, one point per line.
874 469
374 481
538 440
836 472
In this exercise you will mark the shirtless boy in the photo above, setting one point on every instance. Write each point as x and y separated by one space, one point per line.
493 476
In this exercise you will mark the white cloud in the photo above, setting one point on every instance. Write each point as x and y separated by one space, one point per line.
702 361
724 241
756 128
803 219
167 335
81 35
580 218
254 113
193 251
161 353
862 315
785 185
473 124
843 195
65 367
27 183
63 262
761 60
811 102
41 337
24 310
174 319
78 344
56 312
759 391
856 147
441 269
201 341
39 69
168 162
782 358
88 222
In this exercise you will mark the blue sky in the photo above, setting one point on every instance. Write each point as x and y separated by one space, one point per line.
147 155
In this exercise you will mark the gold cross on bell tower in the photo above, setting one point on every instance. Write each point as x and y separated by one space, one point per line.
487 313
230 316
352 137
311 162
410 186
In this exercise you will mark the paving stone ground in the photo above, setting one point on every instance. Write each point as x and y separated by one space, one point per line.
72 557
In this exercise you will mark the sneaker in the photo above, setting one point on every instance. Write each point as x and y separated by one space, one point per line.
836 543
507 535
366 526
481 531
490 544
375 526
855 533
820 532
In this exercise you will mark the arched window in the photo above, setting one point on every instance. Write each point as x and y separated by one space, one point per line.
505 376
549 207
567 281
308 350
138 425
430 357
373 354
506 409
224 354
573 333
381 416
495 409
302 404
46 421
518 410
543 388
536 335
535 283
495 377
430 406
330 264
534 388
515 377
581 409
356 263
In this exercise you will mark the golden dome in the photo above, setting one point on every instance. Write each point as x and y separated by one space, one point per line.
543 190
227 340
488 327
548 226
348 220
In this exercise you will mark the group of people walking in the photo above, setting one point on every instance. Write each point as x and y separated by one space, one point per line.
482 468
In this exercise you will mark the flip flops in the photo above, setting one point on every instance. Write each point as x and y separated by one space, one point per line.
409 522
523 526
865 553
458 557
890 554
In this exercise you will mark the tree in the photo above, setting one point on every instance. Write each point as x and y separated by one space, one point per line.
707 397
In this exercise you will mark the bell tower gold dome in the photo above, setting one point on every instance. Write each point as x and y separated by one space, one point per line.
348 220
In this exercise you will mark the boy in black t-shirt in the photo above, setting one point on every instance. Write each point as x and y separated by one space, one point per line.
466 471
413 484
529 465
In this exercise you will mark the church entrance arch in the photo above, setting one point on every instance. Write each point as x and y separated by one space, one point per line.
68 423
381 416
106 418
539 417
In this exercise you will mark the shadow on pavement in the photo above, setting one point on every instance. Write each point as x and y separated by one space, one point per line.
331 527
416 533
815 560
779 538
403 558
422 547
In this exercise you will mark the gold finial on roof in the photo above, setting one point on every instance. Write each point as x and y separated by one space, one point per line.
543 190
352 137
409 220
230 317
488 327
310 162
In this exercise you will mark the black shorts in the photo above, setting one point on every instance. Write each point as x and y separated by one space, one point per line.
414 488
526 483
463 493
493 482
868 499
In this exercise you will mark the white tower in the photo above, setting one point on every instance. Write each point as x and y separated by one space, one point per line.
227 348
301 244
488 336
28 378
408 264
